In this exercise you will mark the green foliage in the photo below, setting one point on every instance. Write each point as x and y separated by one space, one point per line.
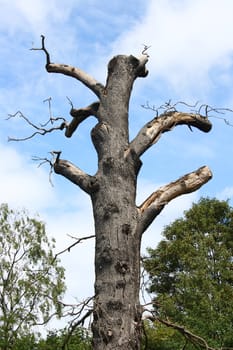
160 337
191 272
31 280
57 340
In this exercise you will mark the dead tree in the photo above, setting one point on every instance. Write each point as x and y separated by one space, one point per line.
119 222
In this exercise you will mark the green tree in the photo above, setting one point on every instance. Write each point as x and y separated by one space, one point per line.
31 280
159 337
58 340
191 272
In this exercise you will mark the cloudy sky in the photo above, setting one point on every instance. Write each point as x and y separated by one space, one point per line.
191 59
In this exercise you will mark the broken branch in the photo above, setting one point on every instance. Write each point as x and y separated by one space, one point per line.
86 182
79 115
155 203
153 130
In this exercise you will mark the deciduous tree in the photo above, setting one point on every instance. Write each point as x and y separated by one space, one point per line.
191 272
31 281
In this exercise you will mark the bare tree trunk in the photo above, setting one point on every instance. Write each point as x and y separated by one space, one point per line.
117 314
119 223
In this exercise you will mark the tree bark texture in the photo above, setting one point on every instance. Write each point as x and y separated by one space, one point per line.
119 223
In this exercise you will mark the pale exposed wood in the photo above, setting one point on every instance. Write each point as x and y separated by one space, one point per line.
155 203
78 74
153 130
71 71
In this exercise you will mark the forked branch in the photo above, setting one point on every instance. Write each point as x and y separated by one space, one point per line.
57 123
71 71
40 129
155 203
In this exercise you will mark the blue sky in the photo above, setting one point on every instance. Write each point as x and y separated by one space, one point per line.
191 59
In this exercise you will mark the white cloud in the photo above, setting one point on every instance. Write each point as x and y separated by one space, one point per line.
226 193
28 16
22 184
187 38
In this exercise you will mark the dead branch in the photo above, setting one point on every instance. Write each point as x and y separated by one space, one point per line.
44 161
51 118
196 108
155 203
78 240
71 71
146 47
152 131
40 130
74 326
78 320
86 182
79 115
43 49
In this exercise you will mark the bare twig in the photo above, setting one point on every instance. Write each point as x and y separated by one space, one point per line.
144 285
74 326
44 161
78 320
197 108
40 129
78 240
51 162
43 49
50 110
146 47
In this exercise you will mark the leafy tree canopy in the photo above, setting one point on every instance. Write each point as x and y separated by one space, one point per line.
58 340
191 272
55 340
31 280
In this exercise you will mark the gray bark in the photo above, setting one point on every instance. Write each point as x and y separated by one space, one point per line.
119 223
